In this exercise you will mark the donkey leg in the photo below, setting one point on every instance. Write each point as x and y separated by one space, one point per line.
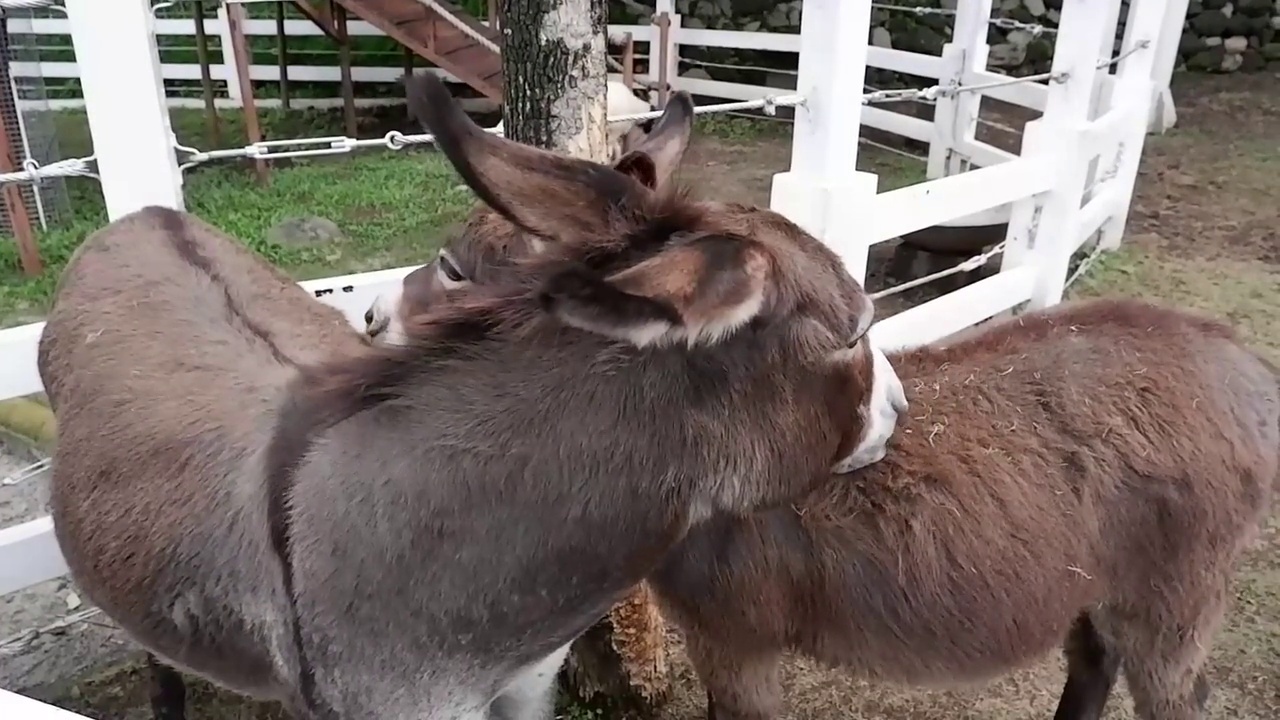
532 695
168 691
1092 667
740 685
1164 663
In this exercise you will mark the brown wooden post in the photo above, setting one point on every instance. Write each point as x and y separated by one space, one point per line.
282 56
212 123
344 60
19 218
240 50
663 21
628 60
10 161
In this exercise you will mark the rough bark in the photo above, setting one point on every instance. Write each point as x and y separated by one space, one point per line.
553 69
554 75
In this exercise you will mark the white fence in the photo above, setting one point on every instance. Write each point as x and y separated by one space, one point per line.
1095 109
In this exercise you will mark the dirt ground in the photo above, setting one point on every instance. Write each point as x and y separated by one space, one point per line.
1204 232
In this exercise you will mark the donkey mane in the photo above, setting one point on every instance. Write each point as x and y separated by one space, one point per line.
326 394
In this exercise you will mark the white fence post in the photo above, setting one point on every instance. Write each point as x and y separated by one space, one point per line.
230 69
1103 88
124 99
1042 230
955 117
823 191
1135 87
1163 115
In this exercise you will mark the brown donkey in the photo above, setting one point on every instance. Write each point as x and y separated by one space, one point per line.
1087 476
400 532
1087 473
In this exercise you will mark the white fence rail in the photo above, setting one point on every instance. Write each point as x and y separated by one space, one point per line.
1053 199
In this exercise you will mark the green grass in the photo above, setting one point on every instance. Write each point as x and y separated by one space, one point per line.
393 207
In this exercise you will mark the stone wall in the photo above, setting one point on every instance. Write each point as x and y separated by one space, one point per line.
1218 35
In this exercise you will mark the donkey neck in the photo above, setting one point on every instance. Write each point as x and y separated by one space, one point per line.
549 469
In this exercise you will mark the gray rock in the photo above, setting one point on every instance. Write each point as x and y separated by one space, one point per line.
1254 8
1228 9
1252 61
1275 22
1040 53
1007 55
1021 38
1271 52
305 232
880 37
1232 63
1036 7
1236 44
1213 42
1210 59
1210 23
1239 25
1190 44
1194 8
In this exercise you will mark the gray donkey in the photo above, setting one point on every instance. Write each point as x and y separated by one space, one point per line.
420 531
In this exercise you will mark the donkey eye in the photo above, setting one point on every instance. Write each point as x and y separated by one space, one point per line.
450 275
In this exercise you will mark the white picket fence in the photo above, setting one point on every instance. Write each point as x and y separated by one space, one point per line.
1051 194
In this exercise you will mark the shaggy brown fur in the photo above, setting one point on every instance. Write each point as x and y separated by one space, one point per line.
399 532
1089 473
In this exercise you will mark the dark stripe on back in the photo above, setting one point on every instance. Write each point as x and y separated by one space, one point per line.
179 235
279 475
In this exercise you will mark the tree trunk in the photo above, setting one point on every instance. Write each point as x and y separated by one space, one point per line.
553 69
554 75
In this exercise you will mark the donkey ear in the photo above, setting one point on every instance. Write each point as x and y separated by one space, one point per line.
543 193
653 158
697 292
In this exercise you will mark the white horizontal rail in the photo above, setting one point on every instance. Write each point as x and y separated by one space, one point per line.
930 67
954 311
18 360
352 294
907 126
1031 95
29 555
292 28
983 154
895 213
220 72
1100 208
21 707
1102 133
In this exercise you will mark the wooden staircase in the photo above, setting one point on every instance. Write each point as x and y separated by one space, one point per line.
427 34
